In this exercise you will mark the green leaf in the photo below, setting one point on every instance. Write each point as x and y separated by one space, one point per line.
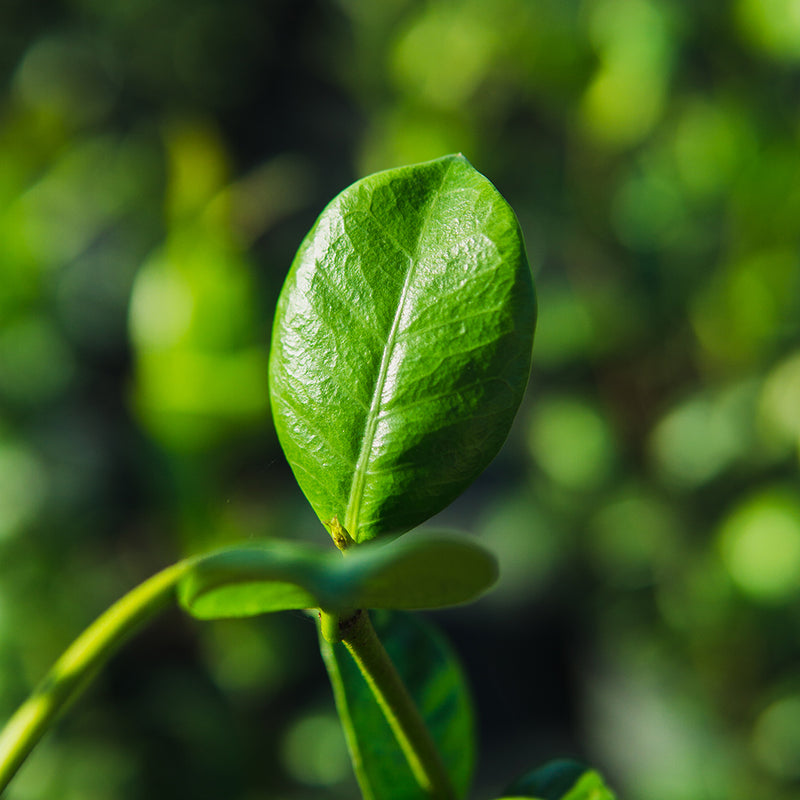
401 346
419 572
245 581
433 676
562 779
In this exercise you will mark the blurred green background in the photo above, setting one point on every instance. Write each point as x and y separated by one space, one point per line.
159 164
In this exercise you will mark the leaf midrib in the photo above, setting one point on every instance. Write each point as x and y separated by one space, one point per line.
356 495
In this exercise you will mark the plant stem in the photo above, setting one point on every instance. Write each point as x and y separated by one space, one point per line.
79 663
398 706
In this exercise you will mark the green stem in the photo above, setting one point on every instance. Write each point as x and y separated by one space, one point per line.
72 672
398 707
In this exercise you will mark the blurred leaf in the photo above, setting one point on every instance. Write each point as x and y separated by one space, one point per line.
245 581
433 676
561 780
420 572
401 346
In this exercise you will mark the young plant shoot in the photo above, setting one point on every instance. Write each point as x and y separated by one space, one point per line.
400 353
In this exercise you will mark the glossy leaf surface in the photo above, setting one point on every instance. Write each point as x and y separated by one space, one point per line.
401 346
563 779
420 572
433 676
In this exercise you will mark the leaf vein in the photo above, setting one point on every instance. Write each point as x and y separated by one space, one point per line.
336 292
454 321
322 436
371 423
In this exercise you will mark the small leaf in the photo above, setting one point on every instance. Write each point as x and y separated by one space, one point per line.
428 572
401 346
562 779
434 678
245 581
418 573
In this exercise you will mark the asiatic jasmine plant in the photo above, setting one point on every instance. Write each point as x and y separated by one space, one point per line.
400 353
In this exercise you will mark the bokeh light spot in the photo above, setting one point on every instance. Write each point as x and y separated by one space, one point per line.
198 166
771 26
695 441
710 143
314 751
634 535
571 442
748 306
161 306
760 546
443 56
648 209
62 76
528 545
245 657
564 329
35 363
780 402
626 97
776 737
22 488
406 135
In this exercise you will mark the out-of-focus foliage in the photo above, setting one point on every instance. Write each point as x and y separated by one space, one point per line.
159 165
